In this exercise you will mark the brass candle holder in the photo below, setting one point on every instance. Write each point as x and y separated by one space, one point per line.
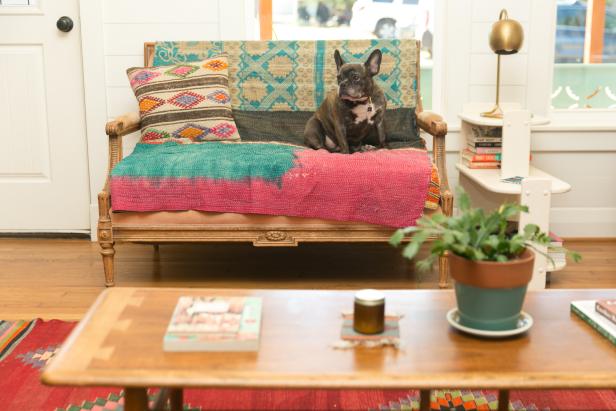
506 37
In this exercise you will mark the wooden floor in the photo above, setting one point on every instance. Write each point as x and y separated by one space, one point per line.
55 278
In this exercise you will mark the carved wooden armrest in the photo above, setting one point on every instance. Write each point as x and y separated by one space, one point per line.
432 123
123 125
115 129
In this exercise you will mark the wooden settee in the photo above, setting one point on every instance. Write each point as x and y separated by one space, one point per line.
260 230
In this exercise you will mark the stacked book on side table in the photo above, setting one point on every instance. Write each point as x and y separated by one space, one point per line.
483 147
557 254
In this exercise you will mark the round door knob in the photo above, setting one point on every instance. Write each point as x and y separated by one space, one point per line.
65 24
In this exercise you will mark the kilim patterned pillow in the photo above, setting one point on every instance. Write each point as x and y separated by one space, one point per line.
186 103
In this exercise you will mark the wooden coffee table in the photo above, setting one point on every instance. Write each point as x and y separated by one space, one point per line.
119 343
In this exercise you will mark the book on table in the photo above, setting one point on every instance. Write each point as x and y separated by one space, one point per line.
480 164
485 144
214 324
481 158
555 240
607 308
556 252
586 310
483 150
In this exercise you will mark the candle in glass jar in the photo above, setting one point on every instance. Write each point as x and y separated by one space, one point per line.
369 312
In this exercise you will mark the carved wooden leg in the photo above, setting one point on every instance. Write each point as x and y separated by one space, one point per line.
105 238
443 262
443 272
108 252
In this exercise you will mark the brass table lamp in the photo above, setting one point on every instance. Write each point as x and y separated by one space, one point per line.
506 37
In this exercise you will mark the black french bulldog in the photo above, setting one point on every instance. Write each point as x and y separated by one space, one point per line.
353 112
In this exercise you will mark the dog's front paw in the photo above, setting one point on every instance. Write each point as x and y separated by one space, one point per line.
367 147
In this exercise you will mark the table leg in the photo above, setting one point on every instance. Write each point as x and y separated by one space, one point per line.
424 400
135 399
176 399
503 400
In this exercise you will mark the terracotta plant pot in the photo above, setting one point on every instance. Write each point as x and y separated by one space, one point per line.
490 294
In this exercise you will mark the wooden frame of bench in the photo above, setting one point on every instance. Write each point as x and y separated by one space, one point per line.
259 235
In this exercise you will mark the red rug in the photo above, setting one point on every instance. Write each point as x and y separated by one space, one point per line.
27 346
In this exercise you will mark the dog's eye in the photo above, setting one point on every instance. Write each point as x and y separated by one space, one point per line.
355 77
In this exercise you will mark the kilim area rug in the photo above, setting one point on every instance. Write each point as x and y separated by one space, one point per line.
27 346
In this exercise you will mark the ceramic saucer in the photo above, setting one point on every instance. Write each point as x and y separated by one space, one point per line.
524 323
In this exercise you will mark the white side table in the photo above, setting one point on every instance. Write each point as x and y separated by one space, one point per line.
488 191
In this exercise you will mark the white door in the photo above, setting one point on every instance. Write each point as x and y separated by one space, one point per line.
43 152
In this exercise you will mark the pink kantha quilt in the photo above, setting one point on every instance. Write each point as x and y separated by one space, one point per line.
384 187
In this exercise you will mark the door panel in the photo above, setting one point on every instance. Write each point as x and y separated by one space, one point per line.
43 153
23 118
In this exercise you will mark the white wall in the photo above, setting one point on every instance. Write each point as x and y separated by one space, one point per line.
582 154
113 33
129 24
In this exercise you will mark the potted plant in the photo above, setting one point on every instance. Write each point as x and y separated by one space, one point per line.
491 266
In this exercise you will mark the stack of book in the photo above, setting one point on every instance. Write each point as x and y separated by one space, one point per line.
214 324
556 253
483 148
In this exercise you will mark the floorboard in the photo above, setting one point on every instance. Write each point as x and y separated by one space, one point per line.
59 278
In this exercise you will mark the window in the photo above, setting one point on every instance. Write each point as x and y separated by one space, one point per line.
360 19
585 55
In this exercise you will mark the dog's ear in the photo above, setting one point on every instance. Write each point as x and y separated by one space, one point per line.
339 61
373 64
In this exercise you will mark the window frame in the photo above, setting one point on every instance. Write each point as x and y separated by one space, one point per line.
576 118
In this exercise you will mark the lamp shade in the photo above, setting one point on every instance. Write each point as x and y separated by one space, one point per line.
507 36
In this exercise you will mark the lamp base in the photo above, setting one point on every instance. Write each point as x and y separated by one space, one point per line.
496 112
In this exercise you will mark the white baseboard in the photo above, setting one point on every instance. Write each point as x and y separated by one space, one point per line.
583 221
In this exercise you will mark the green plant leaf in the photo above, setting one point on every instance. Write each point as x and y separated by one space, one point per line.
426 263
574 256
473 234
531 230
396 238
400 233
509 210
501 258
464 202
411 250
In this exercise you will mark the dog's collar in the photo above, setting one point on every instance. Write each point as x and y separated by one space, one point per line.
356 100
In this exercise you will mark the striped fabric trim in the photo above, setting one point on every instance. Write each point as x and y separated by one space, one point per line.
319 86
434 190
183 116
195 82
11 334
